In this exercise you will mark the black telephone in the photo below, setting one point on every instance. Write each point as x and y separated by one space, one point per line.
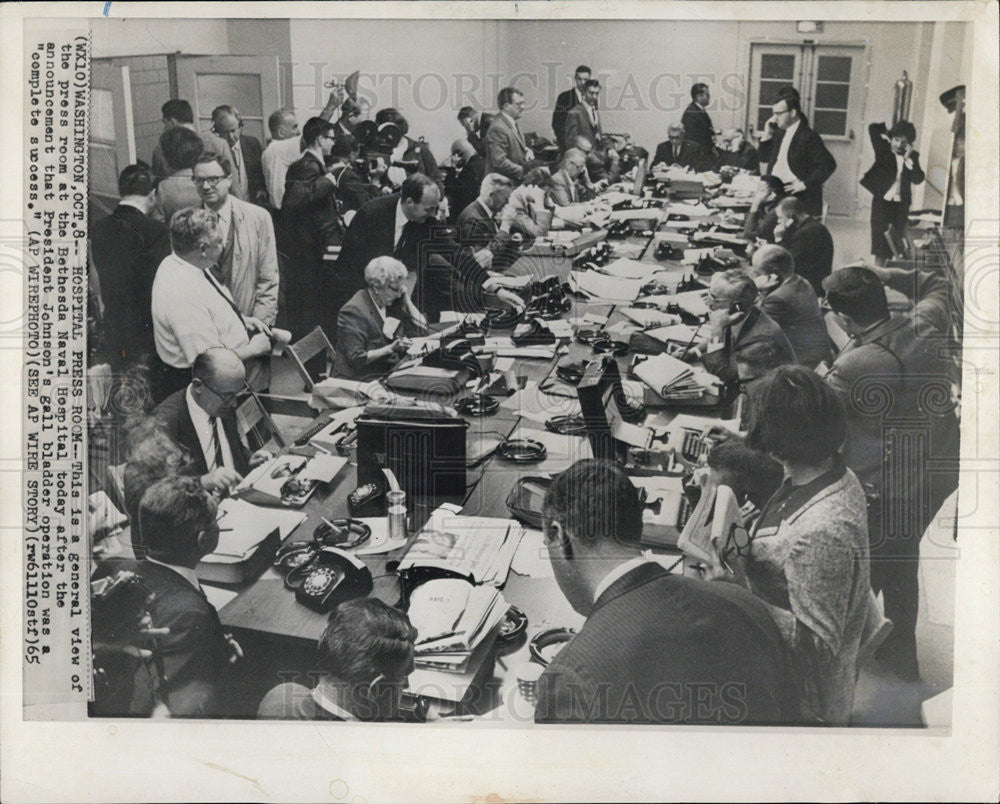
328 579
456 354
532 333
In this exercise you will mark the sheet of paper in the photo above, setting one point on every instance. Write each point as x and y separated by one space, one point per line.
243 525
562 450
503 364
649 318
615 197
744 183
608 288
534 404
630 269
532 556
628 250
622 329
698 210
529 352
560 327
323 468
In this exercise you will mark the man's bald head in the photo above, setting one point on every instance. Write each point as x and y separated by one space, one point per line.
217 376
463 148
772 259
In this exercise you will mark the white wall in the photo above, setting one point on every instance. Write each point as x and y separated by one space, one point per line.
427 69
142 37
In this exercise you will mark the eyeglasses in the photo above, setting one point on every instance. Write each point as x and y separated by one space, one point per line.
208 181
781 111
227 397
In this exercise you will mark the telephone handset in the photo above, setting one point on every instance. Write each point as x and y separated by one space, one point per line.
330 578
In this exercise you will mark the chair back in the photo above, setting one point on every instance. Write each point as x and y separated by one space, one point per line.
304 355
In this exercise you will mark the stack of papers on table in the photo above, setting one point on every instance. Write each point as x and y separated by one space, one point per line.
608 288
675 172
744 183
691 301
617 197
477 548
452 618
503 346
243 526
731 202
628 250
693 255
674 379
533 403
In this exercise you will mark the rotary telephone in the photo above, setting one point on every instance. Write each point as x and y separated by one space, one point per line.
326 577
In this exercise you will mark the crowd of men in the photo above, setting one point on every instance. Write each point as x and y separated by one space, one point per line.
221 244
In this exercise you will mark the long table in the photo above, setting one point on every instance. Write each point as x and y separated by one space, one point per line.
279 635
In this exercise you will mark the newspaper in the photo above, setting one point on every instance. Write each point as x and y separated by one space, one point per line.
68 69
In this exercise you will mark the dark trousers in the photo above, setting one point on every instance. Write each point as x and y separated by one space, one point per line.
895 563
885 213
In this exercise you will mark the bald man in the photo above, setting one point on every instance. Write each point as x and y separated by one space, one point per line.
791 301
569 182
245 152
463 177
201 418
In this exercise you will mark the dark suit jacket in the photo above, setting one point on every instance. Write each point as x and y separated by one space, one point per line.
794 307
882 173
257 189
808 159
578 124
685 156
698 129
812 249
447 274
194 655
757 326
462 186
175 419
359 330
660 648
564 102
127 248
745 158
309 207
477 229
506 153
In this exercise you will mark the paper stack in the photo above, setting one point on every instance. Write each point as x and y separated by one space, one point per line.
651 318
630 269
677 333
608 288
669 377
477 548
452 618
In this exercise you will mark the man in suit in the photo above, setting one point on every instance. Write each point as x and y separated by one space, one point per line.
248 265
476 126
807 239
791 301
738 152
675 150
352 191
506 150
313 224
404 225
463 177
175 113
191 651
567 182
478 228
567 100
244 152
904 446
889 180
375 325
201 419
698 128
192 311
583 119
126 247
795 153
656 647
735 324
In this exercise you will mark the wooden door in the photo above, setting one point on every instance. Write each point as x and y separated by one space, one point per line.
112 133
248 83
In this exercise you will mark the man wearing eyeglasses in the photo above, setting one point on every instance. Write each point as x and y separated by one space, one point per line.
795 153
248 265
201 419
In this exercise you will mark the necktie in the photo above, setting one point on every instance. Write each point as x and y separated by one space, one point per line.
214 446
405 236
236 158
210 276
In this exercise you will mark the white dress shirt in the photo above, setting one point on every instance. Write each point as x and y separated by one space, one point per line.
892 194
190 315
781 169
277 156
203 427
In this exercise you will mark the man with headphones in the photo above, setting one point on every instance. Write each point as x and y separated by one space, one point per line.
656 647
902 440
245 153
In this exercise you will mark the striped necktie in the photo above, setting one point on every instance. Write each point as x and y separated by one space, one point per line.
214 445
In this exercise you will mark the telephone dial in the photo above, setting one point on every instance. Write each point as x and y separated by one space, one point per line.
323 577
